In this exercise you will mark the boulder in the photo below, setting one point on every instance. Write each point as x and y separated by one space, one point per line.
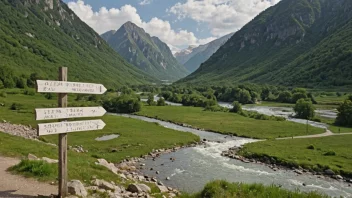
75 187
32 157
108 165
50 161
329 172
338 177
298 172
163 189
138 188
103 184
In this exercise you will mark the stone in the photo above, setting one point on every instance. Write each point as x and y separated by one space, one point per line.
168 178
304 184
157 172
103 184
138 188
338 177
298 172
329 172
75 187
32 157
108 165
172 195
163 189
123 176
160 183
49 161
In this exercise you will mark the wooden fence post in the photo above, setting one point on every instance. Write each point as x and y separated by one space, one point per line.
62 102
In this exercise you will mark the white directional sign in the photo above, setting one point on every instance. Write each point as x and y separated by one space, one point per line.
68 127
47 86
70 112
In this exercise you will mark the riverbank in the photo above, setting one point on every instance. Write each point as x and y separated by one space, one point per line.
321 156
227 123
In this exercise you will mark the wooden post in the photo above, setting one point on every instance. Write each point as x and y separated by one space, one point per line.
62 102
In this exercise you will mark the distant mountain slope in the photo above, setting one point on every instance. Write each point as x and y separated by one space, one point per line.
296 42
204 52
145 52
36 37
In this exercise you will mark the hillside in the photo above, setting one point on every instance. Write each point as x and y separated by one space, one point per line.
36 37
295 43
204 52
145 52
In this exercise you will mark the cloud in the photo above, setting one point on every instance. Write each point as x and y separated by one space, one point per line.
221 16
145 2
112 19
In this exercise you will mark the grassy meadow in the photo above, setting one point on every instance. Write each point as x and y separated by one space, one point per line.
228 123
223 189
332 152
136 138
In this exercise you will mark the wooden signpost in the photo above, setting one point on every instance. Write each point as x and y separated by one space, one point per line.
62 87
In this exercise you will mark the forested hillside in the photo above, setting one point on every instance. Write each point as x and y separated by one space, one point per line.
36 37
295 43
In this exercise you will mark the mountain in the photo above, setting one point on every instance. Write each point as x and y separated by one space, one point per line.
184 55
36 37
204 52
145 52
294 43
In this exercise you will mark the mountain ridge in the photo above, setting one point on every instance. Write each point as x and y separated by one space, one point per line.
271 47
37 37
147 53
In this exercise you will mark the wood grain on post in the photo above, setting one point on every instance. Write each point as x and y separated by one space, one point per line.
62 102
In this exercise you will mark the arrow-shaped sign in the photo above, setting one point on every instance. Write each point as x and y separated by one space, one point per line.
68 127
46 86
70 112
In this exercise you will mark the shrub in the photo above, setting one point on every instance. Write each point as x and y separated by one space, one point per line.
304 109
237 107
122 104
35 168
29 92
150 100
330 153
344 117
16 106
311 147
161 102
216 108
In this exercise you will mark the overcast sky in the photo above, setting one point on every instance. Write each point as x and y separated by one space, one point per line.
178 23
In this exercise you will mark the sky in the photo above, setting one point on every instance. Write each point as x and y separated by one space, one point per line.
179 23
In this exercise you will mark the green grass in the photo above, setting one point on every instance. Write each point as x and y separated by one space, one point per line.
228 123
223 189
38 169
136 138
294 152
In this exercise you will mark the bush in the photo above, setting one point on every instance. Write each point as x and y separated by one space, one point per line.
161 102
344 116
150 100
3 94
35 168
330 153
16 106
304 109
29 92
122 104
311 147
237 107
285 97
216 108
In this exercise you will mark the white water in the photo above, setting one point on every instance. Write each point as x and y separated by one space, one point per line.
194 167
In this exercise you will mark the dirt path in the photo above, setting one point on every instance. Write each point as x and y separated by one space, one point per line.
327 133
17 186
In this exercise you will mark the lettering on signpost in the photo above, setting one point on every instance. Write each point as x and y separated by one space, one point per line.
62 87
70 112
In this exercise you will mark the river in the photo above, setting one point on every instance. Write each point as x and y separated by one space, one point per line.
194 167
